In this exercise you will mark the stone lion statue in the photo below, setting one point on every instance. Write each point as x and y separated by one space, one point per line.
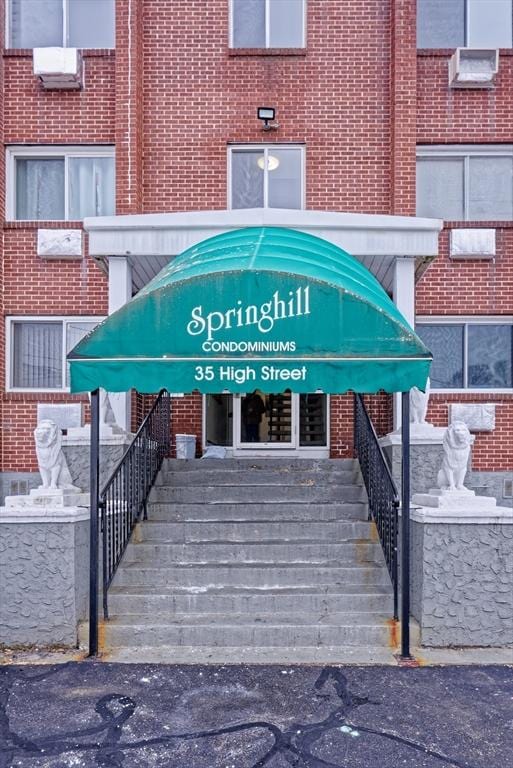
50 457
419 404
456 444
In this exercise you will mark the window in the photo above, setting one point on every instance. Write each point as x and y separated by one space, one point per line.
266 177
469 354
267 23
61 23
465 183
47 183
468 23
38 349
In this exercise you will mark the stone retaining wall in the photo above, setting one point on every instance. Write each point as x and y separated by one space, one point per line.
462 583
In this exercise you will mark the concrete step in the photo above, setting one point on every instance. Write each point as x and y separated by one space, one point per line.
253 530
261 576
254 510
291 630
334 465
339 655
245 554
208 494
346 553
146 600
230 477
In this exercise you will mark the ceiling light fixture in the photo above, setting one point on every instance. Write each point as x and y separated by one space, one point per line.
272 162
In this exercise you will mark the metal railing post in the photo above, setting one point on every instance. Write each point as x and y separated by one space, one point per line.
405 528
94 528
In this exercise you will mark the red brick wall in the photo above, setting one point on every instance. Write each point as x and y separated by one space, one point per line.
173 97
341 426
199 97
187 418
35 116
31 285
477 287
458 287
449 116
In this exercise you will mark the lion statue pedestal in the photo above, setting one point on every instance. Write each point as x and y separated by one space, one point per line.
56 490
451 494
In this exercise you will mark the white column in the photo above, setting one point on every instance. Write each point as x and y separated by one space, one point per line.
120 291
404 298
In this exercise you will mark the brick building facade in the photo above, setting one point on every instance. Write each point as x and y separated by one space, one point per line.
177 96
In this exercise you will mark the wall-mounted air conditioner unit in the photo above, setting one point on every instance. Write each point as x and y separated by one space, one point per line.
58 68
473 67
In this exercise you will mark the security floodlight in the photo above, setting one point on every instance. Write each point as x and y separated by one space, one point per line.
267 114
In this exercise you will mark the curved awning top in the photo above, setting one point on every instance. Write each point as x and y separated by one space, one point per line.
251 299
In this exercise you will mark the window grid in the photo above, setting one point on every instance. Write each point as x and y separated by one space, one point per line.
468 41
46 152
465 153
267 24
64 322
466 322
266 149
65 25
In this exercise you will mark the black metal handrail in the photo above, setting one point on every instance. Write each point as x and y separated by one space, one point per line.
125 494
381 488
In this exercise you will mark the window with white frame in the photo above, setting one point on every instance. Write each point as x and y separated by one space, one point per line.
465 183
37 349
62 183
464 23
469 354
61 23
267 23
266 176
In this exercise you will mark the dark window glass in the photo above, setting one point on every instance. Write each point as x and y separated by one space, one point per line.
248 179
489 23
471 23
445 343
440 188
36 23
37 355
91 24
286 23
40 23
248 23
40 188
284 179
490 356
490 189
440 23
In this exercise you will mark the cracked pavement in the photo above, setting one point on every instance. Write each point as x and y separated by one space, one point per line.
90 713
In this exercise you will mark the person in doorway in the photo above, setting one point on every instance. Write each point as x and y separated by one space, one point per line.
253 409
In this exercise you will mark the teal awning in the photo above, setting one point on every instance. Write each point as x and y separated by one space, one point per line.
262 308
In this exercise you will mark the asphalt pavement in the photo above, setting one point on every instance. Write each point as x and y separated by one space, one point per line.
99 714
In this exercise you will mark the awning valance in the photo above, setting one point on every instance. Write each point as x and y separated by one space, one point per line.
261 308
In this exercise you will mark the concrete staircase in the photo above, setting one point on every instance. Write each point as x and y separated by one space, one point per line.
267 555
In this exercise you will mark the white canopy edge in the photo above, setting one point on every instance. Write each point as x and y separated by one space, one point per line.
150 240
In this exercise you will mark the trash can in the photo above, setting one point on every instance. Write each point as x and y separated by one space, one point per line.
185 446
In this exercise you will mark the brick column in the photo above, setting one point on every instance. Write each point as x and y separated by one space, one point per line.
403 107
129 106
3 382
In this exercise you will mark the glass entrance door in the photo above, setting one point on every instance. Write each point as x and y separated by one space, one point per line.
265 420
258 421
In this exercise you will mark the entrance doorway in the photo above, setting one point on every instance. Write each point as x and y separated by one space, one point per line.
255 422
